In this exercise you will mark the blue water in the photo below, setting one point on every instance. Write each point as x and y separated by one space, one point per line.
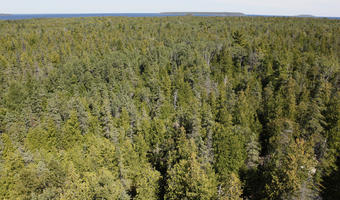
31 16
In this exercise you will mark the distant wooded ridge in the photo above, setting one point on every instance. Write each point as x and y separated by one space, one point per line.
305 15
206 13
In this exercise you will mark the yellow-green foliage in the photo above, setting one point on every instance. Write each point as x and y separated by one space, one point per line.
170 108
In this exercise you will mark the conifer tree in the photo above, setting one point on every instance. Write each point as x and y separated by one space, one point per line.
188 178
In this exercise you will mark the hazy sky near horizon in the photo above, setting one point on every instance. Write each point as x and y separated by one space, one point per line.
265 7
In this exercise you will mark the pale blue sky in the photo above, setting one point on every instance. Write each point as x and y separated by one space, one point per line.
267 7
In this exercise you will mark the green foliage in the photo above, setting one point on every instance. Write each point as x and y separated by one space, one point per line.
188 179
170 108
291 168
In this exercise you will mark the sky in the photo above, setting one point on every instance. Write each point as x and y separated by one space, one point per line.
329 8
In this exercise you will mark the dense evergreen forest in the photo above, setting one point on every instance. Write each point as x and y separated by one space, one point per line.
170 108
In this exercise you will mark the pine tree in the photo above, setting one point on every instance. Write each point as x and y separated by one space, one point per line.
234 186
71 132
74 186
189 180
11 164
291 165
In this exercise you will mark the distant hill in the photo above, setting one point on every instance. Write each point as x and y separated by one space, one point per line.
305 15
205 13
3 14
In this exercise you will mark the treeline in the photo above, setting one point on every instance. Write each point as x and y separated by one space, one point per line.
170 108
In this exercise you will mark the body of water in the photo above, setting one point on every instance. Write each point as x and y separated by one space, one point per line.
31 16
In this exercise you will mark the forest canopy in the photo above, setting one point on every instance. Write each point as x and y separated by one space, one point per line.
170 108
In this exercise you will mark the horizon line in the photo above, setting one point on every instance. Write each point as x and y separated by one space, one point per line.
164 12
